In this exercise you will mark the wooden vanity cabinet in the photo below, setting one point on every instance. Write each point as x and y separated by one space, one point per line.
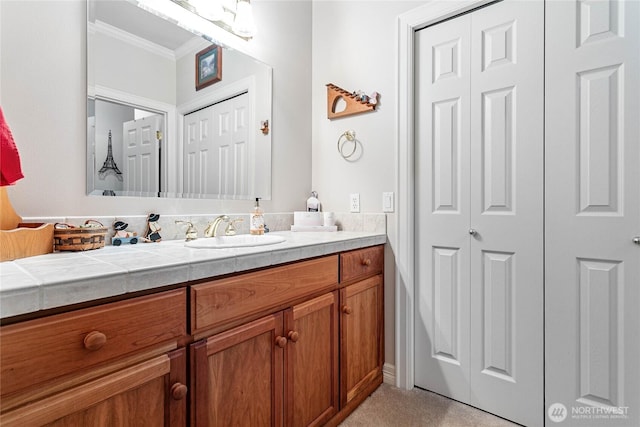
280 369
236 376
291 345
361 324
115 364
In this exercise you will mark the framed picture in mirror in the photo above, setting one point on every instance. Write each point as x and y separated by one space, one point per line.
208 66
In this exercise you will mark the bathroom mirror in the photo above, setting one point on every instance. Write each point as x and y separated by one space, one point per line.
150 133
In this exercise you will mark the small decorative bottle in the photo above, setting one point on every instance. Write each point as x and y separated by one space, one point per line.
313 204
256 223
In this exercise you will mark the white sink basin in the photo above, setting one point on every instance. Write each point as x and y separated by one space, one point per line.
238 241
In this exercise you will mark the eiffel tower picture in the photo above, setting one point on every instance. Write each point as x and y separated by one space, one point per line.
109 165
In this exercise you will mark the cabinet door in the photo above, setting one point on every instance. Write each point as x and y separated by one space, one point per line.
236 376
145 394
311 361
361 348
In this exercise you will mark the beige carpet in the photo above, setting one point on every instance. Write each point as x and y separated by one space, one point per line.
392 407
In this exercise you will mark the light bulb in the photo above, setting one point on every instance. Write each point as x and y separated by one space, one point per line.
208 9
244 24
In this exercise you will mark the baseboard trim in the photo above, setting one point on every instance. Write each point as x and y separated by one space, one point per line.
389 374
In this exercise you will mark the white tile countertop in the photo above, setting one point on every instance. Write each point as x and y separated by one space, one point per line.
63 278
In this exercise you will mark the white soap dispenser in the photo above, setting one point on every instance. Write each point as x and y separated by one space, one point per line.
313 204
256 223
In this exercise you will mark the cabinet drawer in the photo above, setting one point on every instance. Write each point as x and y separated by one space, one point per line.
361 263
43 349
227 300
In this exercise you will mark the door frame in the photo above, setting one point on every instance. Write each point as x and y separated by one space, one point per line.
408 23
167 110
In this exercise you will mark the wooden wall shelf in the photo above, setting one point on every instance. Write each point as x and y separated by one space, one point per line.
354 105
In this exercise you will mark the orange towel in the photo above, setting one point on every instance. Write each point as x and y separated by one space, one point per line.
10 169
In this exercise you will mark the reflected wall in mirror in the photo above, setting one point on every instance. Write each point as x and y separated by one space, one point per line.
167 139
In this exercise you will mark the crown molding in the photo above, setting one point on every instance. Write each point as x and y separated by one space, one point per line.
100 27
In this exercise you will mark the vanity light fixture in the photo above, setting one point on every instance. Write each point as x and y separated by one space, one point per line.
219 21
233 15
209 9
244 24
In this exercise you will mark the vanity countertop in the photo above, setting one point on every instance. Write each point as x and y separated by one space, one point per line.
63 278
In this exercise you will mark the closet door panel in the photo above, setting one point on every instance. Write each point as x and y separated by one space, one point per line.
506 212
198 134
217 150
442 200
593 211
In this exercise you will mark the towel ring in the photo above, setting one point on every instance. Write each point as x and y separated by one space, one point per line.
349 136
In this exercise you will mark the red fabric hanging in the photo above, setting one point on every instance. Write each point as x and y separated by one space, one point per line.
10 168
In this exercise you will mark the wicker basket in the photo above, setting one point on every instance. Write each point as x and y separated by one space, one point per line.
68 237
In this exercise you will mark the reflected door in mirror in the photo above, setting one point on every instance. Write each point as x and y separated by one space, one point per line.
217 150
142 155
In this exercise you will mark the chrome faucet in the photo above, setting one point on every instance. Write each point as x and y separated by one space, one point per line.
212 228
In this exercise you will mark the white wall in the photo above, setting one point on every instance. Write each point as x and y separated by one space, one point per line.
43 89
43 94
132 69
355 47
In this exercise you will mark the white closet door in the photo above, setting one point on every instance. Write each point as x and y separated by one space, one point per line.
216 144
442 202
141 156
230 147
507 181
197 152
593 212
479 181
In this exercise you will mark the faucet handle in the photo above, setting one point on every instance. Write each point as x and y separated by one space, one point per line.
231 227
191 233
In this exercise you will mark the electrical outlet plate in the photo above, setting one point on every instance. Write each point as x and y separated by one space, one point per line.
354 202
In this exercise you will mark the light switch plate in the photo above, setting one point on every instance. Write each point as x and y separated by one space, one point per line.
387 202
354 202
